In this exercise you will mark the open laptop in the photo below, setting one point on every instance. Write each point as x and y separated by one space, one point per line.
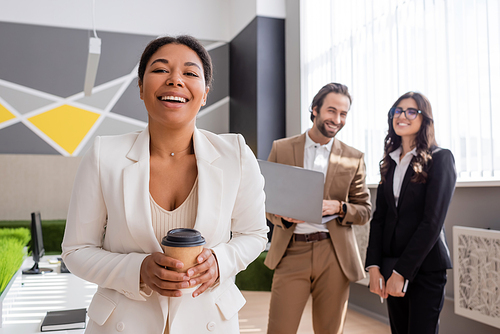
294 192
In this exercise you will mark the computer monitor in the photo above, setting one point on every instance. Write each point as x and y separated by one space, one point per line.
37 249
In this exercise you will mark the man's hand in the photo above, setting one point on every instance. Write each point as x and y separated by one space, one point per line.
331 207
395 285
291 220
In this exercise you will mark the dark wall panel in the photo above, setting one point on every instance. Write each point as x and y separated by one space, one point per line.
130 103
19 139
54 60
220 84
270 83
243 84
257 79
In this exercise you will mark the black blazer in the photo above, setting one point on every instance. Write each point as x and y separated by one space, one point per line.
413 231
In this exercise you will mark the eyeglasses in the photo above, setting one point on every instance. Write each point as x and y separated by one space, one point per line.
410 113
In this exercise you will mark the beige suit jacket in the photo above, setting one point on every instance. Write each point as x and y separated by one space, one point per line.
345 181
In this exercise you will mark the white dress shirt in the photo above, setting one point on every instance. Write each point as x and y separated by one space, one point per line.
316 157
399 175
400 170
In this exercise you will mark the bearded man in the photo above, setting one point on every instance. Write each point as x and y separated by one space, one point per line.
319 259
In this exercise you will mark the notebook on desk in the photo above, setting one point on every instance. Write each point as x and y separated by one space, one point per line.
294 192
65 319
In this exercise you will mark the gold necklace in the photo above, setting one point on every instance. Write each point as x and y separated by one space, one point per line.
187 148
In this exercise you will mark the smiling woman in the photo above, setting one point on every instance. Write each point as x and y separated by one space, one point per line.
172 85
407 254
132 189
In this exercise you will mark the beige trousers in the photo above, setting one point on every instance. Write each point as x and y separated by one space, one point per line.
308 269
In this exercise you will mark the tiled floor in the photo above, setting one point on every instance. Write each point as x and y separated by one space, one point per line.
253 317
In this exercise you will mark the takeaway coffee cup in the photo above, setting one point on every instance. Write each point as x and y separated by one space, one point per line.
184 244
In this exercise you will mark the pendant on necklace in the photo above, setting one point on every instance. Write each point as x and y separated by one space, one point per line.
172 154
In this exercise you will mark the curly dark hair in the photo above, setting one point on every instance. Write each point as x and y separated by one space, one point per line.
425 140
186 40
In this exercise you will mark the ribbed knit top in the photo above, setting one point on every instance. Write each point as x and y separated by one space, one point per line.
183 216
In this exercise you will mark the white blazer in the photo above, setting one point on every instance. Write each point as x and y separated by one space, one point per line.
109 233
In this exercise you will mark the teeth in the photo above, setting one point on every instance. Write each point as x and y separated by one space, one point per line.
173 98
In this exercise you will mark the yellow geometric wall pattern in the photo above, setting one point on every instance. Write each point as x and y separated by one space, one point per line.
5 115
34 121
42 106
66 125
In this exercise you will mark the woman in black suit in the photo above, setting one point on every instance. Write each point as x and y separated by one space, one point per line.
407 255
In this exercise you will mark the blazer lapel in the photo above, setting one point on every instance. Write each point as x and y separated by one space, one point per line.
210 179
406 181
298 150
136 190
136 195
389 188
335 155
389 195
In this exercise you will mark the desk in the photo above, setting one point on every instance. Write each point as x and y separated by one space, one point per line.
28 300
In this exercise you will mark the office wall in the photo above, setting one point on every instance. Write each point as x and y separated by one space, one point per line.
41 93
41 89
37 182
42 107
208 20
218 20
292 54
470 206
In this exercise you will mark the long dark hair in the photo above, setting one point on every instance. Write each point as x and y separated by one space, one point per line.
425 140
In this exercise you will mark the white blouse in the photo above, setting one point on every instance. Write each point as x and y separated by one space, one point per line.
400 171
183 216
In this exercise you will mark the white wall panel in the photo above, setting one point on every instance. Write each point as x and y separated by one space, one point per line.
218 20
241 13
271 8
203 19
476 265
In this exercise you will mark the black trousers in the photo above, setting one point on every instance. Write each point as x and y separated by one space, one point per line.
418 311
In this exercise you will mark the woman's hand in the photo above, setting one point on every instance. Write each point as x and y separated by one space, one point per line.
395 285
164 281
375 279
206 272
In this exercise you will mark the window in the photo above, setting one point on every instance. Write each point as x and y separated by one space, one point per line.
447 50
